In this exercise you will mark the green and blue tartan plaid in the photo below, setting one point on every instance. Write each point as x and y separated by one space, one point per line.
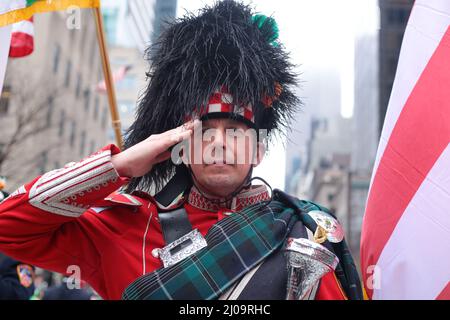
235 245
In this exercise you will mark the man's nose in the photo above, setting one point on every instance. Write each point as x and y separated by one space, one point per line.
219 138
221 149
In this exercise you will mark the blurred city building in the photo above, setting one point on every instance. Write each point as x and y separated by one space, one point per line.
128 89
131 26
54 96
136 23
334 185
365 134
50 112
319 152
165 11
330 158
394 16
330 186
320 95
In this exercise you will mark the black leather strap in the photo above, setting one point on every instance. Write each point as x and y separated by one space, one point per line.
174 224
179 183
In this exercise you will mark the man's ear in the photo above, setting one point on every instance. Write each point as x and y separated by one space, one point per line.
260 152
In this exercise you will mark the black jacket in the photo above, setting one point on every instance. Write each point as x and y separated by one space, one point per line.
16 279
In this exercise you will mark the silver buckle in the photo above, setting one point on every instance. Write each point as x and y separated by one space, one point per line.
182 248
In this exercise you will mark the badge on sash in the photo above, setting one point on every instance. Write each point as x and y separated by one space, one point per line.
330 225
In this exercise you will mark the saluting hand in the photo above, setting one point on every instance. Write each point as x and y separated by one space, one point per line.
139 159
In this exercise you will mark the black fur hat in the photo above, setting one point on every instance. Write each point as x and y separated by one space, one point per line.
225 45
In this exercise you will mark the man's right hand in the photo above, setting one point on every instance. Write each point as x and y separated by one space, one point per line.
139 159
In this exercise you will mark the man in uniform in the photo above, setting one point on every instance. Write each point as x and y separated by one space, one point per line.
208 233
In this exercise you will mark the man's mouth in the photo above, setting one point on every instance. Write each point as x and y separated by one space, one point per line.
219 163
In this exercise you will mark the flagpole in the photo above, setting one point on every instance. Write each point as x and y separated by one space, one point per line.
5 40
108 78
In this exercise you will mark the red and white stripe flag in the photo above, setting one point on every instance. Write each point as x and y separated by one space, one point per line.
22 39
405 242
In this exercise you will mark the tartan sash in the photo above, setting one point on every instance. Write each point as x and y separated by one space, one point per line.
235 245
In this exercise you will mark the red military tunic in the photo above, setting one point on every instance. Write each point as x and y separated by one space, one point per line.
71 218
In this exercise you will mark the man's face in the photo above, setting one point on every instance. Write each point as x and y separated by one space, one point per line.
229 148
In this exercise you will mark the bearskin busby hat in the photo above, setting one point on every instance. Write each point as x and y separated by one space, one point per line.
224 61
